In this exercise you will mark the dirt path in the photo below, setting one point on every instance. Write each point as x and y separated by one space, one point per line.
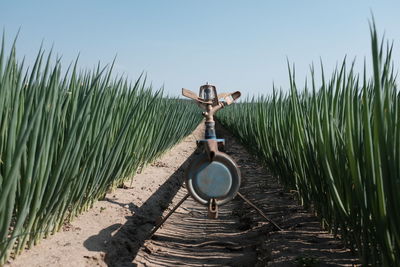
113 233
241 237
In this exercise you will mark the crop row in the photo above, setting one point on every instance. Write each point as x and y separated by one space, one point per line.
67 137
338 145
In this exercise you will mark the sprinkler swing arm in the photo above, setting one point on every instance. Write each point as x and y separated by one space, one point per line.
209 100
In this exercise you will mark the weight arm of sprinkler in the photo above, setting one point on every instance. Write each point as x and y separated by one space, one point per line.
211 101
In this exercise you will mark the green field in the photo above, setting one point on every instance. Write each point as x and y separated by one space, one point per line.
68 136
338 145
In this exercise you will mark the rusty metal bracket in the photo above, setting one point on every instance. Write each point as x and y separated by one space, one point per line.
212 209
211 148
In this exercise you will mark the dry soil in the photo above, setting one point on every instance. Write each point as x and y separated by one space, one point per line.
114 232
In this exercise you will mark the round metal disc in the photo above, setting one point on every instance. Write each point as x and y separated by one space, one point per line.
212 179
219 179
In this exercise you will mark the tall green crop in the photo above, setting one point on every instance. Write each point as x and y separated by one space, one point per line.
65 138
338 145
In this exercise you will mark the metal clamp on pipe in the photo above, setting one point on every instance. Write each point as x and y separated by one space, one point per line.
212 209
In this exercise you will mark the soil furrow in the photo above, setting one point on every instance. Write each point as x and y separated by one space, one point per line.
114 232
240 236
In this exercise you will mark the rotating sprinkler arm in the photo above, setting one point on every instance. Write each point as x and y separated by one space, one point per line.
229 99
211 105
209 100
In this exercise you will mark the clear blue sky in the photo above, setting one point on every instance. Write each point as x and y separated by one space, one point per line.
236 45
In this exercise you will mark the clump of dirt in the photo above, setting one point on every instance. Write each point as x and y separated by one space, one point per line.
159 164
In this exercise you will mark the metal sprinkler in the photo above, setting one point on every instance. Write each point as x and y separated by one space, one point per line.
212 178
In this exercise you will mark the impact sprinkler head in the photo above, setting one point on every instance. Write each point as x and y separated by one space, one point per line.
212 178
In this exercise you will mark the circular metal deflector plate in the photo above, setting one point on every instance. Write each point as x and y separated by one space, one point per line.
219 179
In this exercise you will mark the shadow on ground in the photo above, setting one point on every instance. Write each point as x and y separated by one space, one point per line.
121 243
239 237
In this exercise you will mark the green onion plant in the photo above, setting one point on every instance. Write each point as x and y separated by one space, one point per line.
338 146
66 137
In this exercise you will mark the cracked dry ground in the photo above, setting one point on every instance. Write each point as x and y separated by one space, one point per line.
239 237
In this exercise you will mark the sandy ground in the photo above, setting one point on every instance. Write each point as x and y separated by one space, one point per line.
114 232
